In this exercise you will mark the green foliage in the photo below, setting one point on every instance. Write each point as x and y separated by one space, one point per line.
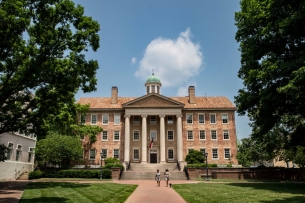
3 152
111 160
271 36
58 149
71 174
194 157
43 46
202 165
300 157
111 165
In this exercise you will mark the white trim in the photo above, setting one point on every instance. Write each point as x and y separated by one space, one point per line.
138 135
95 119
94 154
227 118
153 123
189 114
215 118
118 115
172 121
187 134
133 157
136 122
224 152
173 135
170 148
114 135
106 153
217 154
201 114
118 153
17 148
205 135
102 133
105 114
223 134
156 135
212 135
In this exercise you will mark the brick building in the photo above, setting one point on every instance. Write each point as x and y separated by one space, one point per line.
157 129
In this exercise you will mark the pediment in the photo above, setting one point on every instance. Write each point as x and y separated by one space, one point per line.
153 100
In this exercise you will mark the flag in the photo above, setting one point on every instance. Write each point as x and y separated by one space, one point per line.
151 143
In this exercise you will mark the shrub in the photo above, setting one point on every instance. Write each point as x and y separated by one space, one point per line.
202 165
194 157
112 160
35 175
110 165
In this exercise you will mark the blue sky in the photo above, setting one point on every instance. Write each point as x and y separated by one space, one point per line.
186 42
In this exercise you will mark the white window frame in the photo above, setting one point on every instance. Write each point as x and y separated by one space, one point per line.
150 135
187 135
103 152
106 132
212 134
170 121
153 121
171 135
136 121
117 117
225 114
203 150
90 150
115 135
201 114
10 151
106 115
138 150
216 153
205 136
224 153
118 155
138 135
187 119
168 158
213 114
93 123
224 131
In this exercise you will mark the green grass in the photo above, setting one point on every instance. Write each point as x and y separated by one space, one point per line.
76 192
242 192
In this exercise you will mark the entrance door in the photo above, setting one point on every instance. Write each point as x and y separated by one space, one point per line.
153 158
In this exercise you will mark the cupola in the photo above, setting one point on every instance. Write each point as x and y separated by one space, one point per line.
153 84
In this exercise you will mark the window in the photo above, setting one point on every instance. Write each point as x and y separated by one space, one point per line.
18 154
105 154
116 153
190 135
153 88
105 119
153 120
224 118
170 154
202 150
215 153
136 120
10 150
201 118
202 134
116 135
227 153
213 135
117 119
189 118
136 135
153 135
136 154
147 89
170 135
105 135
93 119
30 157
226 135
82 119
170 120
213 118
92 154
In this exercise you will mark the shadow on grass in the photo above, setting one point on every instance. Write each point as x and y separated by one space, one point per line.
292 188
44 200
296 199
41 185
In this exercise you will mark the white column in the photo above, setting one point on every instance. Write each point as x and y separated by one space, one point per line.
179 138
162 139
127 139
144 139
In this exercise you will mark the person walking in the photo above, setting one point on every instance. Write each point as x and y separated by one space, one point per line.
158 177
167 175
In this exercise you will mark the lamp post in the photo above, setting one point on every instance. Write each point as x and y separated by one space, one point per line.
206 160
101 178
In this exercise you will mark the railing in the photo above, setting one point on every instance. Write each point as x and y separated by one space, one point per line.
128 166
178 165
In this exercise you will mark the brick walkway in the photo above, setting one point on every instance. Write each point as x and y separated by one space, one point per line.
146 192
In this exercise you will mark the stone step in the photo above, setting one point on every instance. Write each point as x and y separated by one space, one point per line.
153 167
149 175
24 176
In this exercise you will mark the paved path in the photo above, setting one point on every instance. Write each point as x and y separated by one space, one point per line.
146 192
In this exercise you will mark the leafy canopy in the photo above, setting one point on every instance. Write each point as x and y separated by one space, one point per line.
42 59
271 34
194 157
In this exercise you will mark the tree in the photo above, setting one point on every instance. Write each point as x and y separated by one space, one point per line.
194 157
58 149
271 34
299 159
3 152
42 61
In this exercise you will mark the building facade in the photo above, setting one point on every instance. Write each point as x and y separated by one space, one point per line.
157 129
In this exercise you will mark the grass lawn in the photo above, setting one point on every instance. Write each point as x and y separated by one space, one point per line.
76 192
242 192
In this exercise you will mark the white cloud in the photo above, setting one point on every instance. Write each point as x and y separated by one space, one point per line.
133 60
176 62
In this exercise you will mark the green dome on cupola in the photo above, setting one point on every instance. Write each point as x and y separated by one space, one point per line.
153 79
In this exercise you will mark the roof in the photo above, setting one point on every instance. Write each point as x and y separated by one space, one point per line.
200 102
153 79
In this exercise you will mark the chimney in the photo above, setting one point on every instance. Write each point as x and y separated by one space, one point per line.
114 95
191 94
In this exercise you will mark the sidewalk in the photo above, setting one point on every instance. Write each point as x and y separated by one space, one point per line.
146 192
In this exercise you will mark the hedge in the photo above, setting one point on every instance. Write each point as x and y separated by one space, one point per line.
71 174
203 165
